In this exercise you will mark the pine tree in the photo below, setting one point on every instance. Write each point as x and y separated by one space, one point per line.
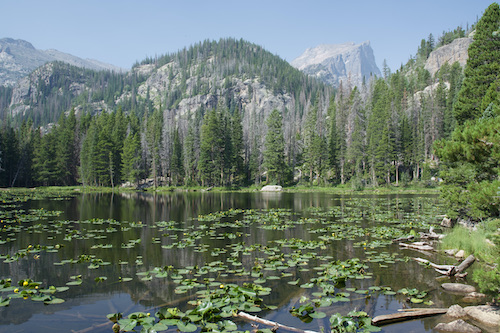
66 160
211 163
190 155
131 158
238 168
153 125
333 140
380 133
45 164
469 159
88 155
10 155
405 146
177 167
482 66
274 152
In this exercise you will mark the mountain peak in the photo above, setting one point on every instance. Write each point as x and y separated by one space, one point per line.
18 58
333 63
5 42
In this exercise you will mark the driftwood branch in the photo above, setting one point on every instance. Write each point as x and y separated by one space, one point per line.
466 263
406 315
422 246
430 235
247 316
450 270
397 240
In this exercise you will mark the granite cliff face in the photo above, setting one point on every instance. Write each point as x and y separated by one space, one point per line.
234 74
332 63
455 51
18 58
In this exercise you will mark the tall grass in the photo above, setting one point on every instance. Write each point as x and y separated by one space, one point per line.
472 242
475 242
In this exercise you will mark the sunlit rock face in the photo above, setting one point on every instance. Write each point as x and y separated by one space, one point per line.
450 53
333 63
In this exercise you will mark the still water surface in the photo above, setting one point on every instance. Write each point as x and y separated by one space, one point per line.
133 233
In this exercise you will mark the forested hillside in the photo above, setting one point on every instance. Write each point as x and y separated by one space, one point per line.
225 113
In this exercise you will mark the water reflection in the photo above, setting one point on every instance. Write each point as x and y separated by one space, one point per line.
151 246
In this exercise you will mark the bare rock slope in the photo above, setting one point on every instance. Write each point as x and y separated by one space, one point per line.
333 63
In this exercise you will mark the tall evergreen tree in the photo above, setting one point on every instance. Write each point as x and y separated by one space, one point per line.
66 160
177 165
211 163
190 154
380 133
238 168
333 140
274 152
482 66
131 158
470 158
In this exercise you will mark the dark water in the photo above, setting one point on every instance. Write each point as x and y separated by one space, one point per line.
139 241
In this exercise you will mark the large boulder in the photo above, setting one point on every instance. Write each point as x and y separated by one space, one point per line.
456 311
458 288
272 188
474 297
488 315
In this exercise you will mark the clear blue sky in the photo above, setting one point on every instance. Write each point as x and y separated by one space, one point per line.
123 32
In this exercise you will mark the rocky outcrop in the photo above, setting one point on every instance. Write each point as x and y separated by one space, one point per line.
18 58
486 314
457 326
456 311
348 62
450 53
250 94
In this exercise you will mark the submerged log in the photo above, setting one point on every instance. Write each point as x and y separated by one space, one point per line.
273 324
406 315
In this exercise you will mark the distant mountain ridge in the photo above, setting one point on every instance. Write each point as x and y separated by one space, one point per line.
18 58
236 74
332 63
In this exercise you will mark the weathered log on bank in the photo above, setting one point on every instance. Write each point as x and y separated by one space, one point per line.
406 315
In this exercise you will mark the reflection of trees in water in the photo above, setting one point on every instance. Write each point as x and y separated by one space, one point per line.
132 208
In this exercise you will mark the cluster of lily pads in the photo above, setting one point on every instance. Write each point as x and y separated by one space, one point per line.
29 289
256 248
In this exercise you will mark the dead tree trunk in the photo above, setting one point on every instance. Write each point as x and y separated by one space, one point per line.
450 270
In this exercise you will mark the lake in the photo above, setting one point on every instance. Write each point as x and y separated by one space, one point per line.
293 258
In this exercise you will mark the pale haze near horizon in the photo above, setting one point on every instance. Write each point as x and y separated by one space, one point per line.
125 32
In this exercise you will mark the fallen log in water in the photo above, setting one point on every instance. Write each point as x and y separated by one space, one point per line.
406 315
450 270
397 240
418 246
273 324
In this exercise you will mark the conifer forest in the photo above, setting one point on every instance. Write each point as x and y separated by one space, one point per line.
193 119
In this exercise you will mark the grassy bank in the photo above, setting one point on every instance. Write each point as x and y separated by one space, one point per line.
341 189
484 244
